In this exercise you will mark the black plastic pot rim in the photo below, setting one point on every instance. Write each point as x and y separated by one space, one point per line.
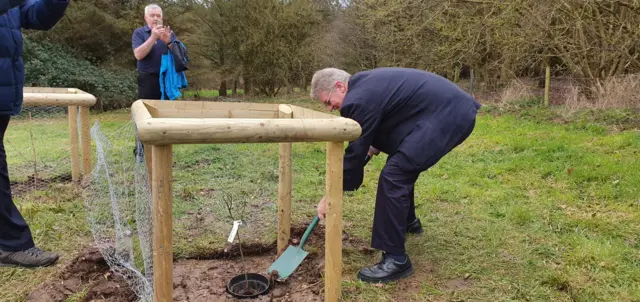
250 277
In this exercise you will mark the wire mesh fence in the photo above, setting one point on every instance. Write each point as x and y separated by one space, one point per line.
213 185
48 142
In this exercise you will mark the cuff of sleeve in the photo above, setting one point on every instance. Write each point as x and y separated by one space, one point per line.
348 185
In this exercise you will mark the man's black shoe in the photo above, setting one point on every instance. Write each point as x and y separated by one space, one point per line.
415 227
386 270
33 257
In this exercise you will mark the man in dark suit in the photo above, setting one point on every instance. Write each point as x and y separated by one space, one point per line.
414 116
16 243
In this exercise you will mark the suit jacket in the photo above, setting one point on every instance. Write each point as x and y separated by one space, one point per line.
403 110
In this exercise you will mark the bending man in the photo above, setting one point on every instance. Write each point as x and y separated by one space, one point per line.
415 117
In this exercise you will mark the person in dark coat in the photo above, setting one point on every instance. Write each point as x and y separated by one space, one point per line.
16 243
414 116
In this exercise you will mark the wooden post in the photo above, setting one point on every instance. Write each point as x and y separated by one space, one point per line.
162 196
333 231
86 141
73 142
547 82
284 187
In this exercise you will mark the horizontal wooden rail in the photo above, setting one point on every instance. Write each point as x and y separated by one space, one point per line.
58 99
78 103
164 131
57 90
161 124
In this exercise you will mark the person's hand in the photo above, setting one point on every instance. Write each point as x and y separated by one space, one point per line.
157 32
322 208
166 36
373 151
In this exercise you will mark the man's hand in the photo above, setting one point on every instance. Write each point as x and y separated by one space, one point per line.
373 151
166 36
322 208
157 32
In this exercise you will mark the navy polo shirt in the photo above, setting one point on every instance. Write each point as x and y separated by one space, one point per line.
150 63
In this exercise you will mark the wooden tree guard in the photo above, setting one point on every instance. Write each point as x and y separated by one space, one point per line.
284 187
78 103
162 124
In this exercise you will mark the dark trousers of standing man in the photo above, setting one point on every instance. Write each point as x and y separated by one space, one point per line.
148 89
395 205
149 86
14 231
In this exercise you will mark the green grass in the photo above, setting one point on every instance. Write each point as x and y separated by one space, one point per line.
525 210
212 93
208 93
45 139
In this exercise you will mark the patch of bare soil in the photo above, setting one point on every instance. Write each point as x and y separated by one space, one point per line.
88 270
33 184
201 278
206 280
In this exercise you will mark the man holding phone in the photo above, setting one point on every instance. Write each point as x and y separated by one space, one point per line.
149 43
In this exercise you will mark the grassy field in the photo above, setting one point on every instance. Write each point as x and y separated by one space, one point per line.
212 93
208 93
530 208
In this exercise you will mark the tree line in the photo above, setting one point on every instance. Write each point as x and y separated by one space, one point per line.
270 46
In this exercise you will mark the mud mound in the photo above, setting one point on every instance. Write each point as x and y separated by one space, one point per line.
87 271
33 184
202 277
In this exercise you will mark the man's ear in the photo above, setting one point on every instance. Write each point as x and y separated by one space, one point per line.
341 87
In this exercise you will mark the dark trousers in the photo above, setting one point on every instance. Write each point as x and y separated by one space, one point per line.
395 204
149 86
148 89
14 231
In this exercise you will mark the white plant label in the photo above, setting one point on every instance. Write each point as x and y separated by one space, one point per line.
234 230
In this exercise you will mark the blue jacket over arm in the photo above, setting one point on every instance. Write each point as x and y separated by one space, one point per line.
15 15
171 81
392 105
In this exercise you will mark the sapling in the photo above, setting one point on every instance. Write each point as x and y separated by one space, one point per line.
229 202
33 149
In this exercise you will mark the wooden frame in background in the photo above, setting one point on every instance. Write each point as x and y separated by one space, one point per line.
161 124
78 103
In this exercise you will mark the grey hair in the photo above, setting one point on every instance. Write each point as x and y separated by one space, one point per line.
150 7
324 80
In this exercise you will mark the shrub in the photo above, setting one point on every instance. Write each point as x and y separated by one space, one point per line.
52 65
